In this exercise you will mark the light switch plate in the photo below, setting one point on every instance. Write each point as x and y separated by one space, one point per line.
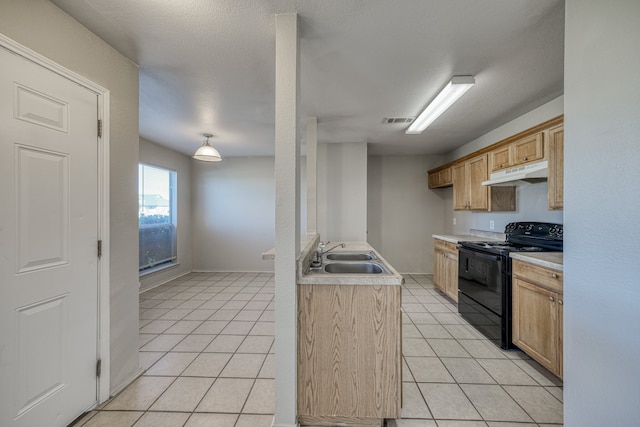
492 225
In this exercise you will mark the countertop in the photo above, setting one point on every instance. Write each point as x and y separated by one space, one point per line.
392 279
552 260
473 236
457 238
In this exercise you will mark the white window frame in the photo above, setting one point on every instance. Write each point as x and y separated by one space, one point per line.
173 221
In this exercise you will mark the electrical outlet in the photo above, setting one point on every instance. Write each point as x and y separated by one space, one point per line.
454 221
492 225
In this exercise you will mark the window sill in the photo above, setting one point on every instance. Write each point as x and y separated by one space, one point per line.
151 271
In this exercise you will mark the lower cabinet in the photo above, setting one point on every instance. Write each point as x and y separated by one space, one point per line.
445 269
349 354
538 314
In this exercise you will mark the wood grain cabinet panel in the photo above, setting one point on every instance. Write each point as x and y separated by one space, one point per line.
470 194
349 354
538 314
500 158
556 168
441 178
445 272
528 150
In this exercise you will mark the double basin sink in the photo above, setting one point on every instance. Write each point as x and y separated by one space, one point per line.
350 263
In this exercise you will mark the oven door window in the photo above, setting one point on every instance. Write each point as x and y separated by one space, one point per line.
481 277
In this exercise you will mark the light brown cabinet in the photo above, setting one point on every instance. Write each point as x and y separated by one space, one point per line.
500 158
538 314
556 167
349 354
441 178
445 268
525 150
470 194
468 191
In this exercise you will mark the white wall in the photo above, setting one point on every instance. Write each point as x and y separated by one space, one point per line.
402 212
156 155
342 191
41 26
602 201
531 199
233 214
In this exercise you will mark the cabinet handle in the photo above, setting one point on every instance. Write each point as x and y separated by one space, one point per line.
554 276
550 298
524 159
560 301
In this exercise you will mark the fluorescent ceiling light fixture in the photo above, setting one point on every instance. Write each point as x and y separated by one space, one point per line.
206 152
456 87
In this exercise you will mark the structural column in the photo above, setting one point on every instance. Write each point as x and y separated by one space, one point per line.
287 246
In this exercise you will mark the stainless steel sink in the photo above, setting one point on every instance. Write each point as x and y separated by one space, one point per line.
353 268
346 256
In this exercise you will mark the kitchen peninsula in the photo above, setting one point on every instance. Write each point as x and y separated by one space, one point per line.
349 340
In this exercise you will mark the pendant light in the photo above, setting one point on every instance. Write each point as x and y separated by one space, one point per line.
206 152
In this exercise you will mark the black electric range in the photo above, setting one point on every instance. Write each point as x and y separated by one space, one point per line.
484 276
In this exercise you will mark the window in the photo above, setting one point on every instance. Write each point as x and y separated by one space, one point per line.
156 217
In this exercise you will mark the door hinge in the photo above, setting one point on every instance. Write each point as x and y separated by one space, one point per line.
99 128
99 248
98 368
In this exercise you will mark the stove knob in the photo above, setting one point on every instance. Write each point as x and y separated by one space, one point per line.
553 230
560 231
529 227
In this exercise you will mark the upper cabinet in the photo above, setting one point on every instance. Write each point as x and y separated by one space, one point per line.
542 142
556 167
441 178
470 194
525 150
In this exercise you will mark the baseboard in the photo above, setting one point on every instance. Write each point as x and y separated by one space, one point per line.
131 378
177 276
273 424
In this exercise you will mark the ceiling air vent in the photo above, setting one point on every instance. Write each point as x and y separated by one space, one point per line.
397 120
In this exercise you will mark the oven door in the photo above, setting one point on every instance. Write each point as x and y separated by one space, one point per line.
483 297
482 277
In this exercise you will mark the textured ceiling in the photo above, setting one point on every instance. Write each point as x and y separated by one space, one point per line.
209 66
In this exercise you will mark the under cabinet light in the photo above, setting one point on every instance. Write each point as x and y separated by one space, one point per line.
456 87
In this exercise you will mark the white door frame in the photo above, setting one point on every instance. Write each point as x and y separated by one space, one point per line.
103 333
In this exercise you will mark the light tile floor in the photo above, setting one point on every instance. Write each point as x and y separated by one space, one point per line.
206 342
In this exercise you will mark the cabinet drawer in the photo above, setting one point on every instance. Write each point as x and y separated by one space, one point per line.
545 277
445 246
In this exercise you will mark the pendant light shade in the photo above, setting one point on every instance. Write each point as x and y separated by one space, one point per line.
206 152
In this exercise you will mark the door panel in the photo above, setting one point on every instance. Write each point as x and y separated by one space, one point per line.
42 242
48 238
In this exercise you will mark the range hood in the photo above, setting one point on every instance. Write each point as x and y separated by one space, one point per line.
533 172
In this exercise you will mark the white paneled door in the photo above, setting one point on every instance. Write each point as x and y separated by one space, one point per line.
48 245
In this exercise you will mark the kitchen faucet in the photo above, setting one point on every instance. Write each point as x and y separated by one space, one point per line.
317 256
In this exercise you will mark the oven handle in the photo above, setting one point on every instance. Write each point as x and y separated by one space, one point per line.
478 254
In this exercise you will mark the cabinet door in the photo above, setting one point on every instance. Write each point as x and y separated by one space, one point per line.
445 178
556 168
460 199
500 158
535 322
439 270
560 336
528 149
451 285
478 193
